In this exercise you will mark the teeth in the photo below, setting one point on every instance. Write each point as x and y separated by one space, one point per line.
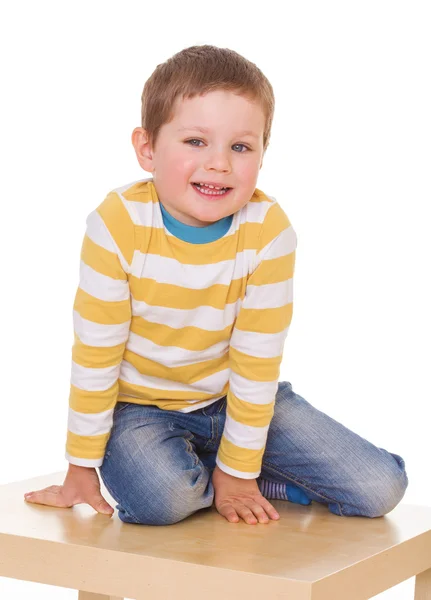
210 186
214 192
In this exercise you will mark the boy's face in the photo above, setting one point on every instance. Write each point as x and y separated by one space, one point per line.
223 155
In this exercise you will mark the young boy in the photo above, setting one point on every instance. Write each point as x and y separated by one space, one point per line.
180 319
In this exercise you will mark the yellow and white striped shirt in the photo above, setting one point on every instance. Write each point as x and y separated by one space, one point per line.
162 321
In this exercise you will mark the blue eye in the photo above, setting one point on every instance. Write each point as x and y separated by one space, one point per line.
196 146
194 140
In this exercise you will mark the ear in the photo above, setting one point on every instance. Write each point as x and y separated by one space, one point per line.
144 152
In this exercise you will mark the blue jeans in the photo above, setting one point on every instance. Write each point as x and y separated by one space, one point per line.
158 463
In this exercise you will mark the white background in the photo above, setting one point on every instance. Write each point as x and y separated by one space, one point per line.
349 160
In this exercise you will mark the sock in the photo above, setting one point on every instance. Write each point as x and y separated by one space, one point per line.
283 491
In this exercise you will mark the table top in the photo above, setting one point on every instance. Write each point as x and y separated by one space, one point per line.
308 544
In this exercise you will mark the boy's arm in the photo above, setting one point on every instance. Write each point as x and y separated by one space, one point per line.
101 318
256 349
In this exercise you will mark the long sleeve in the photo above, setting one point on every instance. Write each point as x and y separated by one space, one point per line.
101 320
256 350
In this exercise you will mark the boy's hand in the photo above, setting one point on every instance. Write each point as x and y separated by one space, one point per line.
235 497
81 485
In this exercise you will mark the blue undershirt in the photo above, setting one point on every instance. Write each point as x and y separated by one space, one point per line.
195 235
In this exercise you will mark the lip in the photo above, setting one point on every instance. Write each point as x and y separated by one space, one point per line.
212 197
214 183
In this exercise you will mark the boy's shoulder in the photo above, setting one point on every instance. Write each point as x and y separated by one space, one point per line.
273 218
129 203
140 191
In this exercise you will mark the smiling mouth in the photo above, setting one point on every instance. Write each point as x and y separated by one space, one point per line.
211 192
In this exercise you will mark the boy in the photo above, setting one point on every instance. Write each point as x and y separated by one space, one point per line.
180 318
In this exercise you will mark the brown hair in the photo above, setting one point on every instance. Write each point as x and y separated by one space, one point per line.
197 70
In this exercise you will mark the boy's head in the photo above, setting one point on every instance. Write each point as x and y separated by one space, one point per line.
226 95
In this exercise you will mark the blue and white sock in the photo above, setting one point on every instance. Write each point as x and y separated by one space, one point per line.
282 491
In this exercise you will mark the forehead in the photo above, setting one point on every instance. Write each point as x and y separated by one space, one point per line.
217 109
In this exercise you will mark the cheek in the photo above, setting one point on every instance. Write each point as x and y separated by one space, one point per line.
246 169
181 165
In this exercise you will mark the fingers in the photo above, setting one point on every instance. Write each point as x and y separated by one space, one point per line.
232 514
252 512
257 508
101 506
269 509
50 496
249 510
54 496
228 511
246 514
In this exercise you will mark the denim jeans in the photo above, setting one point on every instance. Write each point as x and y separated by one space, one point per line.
158 463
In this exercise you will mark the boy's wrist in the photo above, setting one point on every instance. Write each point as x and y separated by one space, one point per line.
78 467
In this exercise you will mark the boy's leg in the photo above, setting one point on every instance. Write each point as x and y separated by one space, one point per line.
151 468
320 459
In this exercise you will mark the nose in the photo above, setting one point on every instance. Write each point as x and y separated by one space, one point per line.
217 160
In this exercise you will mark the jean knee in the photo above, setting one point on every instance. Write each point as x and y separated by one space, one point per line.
179 501
164 513
388 488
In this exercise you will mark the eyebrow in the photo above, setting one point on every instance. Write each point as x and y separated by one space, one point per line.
205 130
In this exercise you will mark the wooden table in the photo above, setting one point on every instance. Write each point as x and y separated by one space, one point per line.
309 554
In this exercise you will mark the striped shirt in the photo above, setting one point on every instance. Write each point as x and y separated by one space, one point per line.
162 321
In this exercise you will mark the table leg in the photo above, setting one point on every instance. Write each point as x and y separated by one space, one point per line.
423 586
90 596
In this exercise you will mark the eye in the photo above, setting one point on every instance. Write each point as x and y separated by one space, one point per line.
196 146
243 145
193 140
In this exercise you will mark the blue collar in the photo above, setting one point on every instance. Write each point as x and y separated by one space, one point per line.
196 235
